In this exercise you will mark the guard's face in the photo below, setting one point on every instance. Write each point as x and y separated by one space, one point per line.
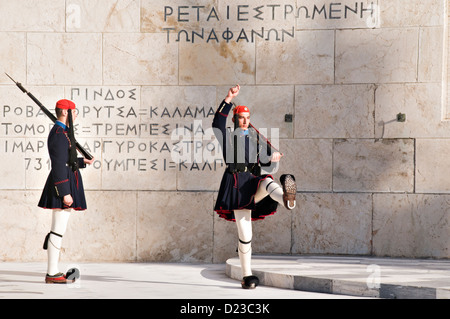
244 120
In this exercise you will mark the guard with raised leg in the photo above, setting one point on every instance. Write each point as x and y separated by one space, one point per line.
245 194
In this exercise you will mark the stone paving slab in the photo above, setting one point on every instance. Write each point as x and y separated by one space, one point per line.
358 276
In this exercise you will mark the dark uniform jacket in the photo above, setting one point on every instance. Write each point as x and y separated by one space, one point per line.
62 180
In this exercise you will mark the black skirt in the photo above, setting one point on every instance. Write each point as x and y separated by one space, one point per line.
50 199
237 191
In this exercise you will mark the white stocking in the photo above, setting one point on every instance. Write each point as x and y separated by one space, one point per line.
244 225
269 187
60 219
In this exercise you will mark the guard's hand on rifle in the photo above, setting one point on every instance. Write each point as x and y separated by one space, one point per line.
232 93
276 157
89 161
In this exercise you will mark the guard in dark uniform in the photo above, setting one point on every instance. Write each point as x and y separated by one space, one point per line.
244 194
63 192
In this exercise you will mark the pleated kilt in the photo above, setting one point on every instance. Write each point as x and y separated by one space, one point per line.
237 191
50 199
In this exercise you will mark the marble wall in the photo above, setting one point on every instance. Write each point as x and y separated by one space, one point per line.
147 77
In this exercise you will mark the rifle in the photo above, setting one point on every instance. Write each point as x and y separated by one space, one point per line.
85 153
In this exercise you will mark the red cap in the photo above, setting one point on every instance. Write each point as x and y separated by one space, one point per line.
241 109
65 105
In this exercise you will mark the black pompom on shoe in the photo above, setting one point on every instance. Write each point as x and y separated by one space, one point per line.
72 274
250 282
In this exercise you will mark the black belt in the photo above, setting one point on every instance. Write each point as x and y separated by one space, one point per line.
255 169
233 169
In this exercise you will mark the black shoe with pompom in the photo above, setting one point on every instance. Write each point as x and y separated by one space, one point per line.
250 282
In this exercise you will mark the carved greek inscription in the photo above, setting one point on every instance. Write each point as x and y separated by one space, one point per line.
273 22
123 134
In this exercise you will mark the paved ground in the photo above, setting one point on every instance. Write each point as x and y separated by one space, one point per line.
137 281
359 276
281 277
